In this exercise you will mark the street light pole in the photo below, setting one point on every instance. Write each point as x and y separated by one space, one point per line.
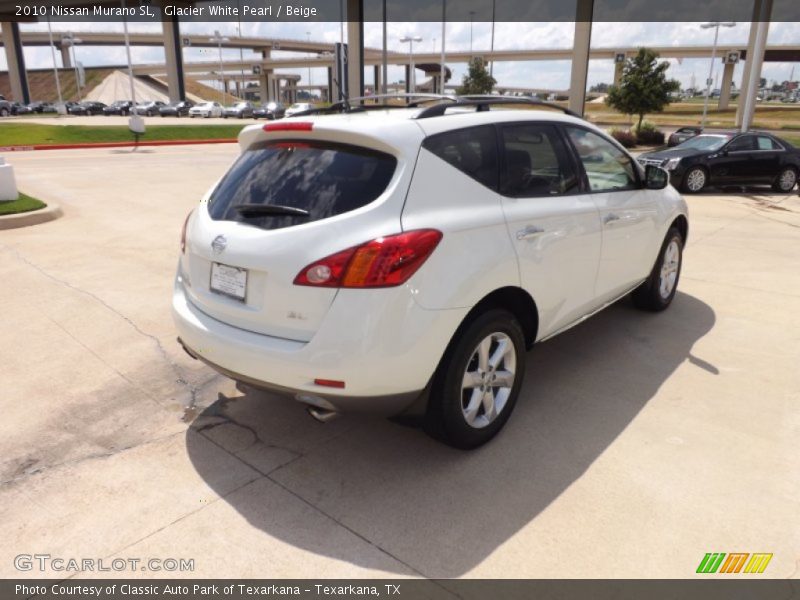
444 28
715 25
411 78
384 55
308 36
471 19
491 64
70 40
219 39
55 67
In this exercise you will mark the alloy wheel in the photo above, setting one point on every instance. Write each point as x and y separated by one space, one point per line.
696 180
669 269
488 380
787 180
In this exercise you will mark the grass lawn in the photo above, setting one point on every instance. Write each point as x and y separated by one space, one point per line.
767 116
20 205
26 134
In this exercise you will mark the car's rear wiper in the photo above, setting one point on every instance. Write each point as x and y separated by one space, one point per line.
260 210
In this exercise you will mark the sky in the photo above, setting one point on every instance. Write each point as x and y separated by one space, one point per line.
536 74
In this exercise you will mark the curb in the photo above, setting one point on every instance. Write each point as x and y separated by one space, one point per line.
34 217
114 145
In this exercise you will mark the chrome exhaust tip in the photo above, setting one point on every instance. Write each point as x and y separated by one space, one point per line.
322 415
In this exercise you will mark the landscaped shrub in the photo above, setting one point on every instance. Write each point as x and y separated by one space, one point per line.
649 135
624 137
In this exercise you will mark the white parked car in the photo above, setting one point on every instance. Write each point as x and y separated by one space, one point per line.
355 261
299 107
206 109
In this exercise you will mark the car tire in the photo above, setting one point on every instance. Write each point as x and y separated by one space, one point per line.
3 112
695 180
466 417
658 290
785 181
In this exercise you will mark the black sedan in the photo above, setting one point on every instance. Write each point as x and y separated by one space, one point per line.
719 159
176 109
148 109
20 109
683 134
270 110
120 107
88 108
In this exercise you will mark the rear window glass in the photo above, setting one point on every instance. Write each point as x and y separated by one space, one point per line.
472 151
324 179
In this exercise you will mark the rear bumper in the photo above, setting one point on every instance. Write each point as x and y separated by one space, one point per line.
381 343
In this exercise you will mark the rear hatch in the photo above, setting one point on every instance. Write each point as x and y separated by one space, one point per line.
290 199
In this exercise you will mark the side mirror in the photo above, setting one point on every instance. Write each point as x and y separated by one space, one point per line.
655 178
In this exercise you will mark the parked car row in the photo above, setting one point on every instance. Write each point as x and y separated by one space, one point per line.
8 108
184 108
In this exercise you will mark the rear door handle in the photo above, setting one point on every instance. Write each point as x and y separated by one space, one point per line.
610 218
529 232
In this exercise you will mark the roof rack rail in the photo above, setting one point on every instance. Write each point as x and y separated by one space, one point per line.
484 102
350 104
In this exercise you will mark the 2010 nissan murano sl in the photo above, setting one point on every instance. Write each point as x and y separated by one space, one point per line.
357 260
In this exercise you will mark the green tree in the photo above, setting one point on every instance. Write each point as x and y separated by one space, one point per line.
477 80
643 87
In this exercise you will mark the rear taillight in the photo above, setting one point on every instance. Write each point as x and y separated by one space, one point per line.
183 232
289 126
383 262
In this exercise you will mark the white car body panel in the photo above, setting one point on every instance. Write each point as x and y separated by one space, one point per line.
386 343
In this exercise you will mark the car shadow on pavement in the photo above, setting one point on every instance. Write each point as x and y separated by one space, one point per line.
436 511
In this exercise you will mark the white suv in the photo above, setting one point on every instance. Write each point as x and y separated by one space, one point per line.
357 260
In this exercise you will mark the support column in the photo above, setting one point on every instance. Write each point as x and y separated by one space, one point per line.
580 55
618 67
333 89
755 56
268 87
16 62
725 87
377 78
355 47
174 58
66 57
748 63
408 79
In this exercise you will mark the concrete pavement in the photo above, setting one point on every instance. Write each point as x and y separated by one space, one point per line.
640 441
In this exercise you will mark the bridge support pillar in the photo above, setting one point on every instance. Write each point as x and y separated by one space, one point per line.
580 55
618 72
174 58
756 45
725 87
355 48
16 62
66 58
377 78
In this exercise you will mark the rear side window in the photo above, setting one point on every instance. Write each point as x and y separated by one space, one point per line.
765 143
472 151
325 179
742 143
536 163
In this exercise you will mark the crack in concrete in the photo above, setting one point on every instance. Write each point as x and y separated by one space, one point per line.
124 377
176 369
88 457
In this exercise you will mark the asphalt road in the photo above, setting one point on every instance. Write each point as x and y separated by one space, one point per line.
640 442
